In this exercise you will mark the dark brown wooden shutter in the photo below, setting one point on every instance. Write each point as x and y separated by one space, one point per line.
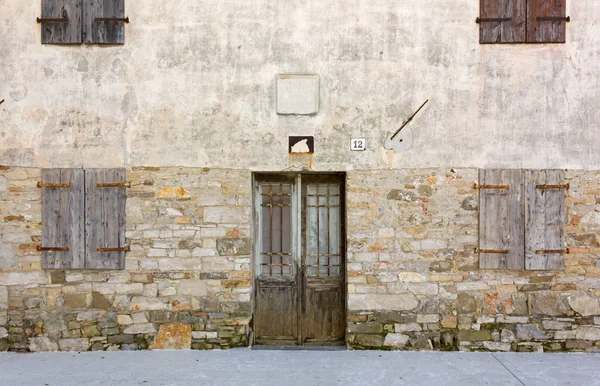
103 31
502 21
501 219
546 21
544 219
105 218
62 219
61 32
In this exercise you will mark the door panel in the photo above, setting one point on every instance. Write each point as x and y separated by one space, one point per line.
323 308
276 311
299 260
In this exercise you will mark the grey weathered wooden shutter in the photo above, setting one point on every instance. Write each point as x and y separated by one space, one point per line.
544 219
63 236
500 219
546 21
61 21
98 28
502 21
105 218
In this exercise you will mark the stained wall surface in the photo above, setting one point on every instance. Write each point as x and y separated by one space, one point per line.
194 85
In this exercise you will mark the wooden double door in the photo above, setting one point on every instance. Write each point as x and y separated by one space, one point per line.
299 259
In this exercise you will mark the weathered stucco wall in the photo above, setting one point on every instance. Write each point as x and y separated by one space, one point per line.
194 85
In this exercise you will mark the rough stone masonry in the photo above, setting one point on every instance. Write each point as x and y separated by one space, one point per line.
413 278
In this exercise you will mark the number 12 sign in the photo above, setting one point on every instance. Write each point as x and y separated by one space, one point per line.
358 144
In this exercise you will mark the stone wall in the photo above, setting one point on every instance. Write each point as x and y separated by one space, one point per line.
413 278
414 281
187 277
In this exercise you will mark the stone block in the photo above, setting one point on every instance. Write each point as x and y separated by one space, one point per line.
369 340
7 256
588 333
90 315
121 339
396 340
584 304
75 300
147 304
396 302
74 344
193 288
578 344
297 94
143 328
226 215
472 335
173 337
141 277
233 247
365 328
404 327
42 344
530 332
139 317
549 303
124 320
100 301
496 346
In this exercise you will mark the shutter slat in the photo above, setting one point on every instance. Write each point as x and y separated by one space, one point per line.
105 219
104 32
510 31
501 220
62 33
544 216
62 219
546 31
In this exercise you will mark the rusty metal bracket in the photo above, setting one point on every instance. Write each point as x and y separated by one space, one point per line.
51 249
502 251
552 251
566 186
492 19
125 249
122 19
52 19
44 185
554 18
114 185
500 187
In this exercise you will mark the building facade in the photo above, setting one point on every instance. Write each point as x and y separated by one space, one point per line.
216 174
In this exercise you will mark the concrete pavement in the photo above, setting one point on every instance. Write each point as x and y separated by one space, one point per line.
297 367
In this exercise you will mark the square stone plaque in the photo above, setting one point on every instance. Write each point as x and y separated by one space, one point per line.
297 94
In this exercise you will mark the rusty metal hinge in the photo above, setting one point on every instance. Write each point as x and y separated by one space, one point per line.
52 19
502 251
51 249
492 19
500 187
552 251
105 19
121 249
45 185
115 185
566 186
554 18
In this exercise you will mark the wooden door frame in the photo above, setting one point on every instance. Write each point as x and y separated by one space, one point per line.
297 242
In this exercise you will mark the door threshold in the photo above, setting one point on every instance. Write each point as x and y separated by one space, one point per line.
298 348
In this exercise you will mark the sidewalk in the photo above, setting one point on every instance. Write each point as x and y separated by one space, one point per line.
277 367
